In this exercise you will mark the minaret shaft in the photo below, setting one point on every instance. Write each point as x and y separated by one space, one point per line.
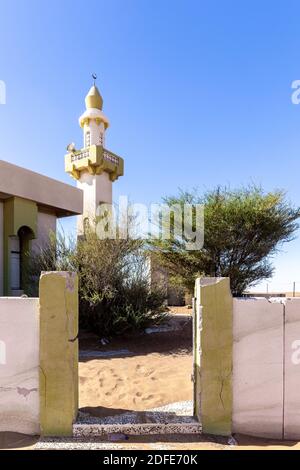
93 133
97 189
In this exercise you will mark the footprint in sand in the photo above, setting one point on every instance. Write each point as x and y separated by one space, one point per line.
138 394
149 397
143 371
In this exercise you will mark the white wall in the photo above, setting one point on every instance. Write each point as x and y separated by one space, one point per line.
266 367
1 248
292 369
19 365
258 329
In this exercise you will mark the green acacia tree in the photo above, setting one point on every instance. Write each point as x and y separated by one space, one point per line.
243 229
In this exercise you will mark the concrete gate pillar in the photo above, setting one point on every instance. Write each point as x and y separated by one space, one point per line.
58 353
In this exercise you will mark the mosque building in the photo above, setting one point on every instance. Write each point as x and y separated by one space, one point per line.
30 205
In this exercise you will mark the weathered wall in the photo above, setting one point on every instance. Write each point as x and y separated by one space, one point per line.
262 344
19 365
266 367
1 248
292 369
258 335
39 358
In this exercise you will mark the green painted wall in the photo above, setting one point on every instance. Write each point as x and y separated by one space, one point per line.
17 213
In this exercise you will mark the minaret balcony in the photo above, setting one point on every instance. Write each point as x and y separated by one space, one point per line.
94 159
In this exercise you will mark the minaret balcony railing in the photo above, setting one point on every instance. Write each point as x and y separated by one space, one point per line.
96 160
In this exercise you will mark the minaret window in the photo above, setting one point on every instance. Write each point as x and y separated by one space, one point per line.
87 139
101 139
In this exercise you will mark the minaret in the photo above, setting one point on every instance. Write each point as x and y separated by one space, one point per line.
94 167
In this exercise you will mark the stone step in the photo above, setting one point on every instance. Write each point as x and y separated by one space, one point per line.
97 430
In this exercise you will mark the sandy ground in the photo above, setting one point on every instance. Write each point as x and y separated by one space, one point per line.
13 441
134 383
156 371
150 371
184 310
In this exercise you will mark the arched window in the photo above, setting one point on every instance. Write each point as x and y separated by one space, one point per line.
15 263
19 250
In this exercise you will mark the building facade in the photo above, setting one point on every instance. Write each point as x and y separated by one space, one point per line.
30 205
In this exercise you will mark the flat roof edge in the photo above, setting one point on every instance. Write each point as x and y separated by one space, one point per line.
27 184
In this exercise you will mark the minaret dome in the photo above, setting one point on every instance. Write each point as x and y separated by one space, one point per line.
93 99
93 121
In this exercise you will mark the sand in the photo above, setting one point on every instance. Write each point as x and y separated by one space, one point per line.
184 310
15 441
135 383
156 371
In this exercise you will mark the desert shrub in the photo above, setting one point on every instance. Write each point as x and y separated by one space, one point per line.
114 289
58 255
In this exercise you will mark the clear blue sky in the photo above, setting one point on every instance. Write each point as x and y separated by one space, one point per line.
198 93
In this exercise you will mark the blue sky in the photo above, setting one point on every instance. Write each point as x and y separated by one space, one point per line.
198 93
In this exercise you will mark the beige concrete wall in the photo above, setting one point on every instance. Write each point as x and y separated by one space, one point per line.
292 369
266 367
19 365
1 249
258 339
39 358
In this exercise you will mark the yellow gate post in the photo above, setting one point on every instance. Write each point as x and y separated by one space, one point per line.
58 353
213 344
